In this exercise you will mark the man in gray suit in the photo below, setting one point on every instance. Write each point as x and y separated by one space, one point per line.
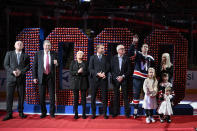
16 63
45 62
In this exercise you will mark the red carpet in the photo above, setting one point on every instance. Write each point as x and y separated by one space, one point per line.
61 122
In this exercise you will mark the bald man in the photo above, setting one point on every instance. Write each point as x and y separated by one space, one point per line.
16 63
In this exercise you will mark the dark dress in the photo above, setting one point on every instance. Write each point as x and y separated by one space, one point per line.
79 81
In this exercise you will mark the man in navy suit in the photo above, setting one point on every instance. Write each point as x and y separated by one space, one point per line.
99 68
45 62
16 63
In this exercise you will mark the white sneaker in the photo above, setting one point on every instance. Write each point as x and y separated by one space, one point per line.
147 120
152 119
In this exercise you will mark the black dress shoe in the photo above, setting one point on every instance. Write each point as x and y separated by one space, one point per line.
114 115
127 116
52 115
168 121
105 117
76 117
93 116
43 116
22 115
7 117
84 116
135 116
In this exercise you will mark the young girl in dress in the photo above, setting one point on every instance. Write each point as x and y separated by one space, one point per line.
162 87
166 106
150 90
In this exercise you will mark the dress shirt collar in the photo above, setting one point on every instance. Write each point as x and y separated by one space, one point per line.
18 52
46 53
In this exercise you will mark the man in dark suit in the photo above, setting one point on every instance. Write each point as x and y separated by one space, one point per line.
45 62
16 64
98 68
120 70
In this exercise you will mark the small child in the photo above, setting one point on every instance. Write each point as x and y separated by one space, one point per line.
162 86
166 106
150 90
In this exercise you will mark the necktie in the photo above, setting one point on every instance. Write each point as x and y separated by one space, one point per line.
18 58
99 57
47 64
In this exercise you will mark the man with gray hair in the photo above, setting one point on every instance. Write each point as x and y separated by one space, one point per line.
44 65
16 63
120 70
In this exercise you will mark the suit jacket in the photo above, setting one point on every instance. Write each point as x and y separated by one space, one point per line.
125 70
96 66
11 64
38 65
78 80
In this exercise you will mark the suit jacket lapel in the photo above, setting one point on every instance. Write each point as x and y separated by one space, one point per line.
52 54
98 58
123 62
42 57
117 62
102 58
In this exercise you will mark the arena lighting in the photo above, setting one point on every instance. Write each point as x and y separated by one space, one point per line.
84 1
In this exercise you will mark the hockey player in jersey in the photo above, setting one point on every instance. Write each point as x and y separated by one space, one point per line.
143 61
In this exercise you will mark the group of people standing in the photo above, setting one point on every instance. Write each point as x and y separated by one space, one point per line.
157 93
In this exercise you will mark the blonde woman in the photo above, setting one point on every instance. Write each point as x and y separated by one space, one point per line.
150 90
166 66
79 81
